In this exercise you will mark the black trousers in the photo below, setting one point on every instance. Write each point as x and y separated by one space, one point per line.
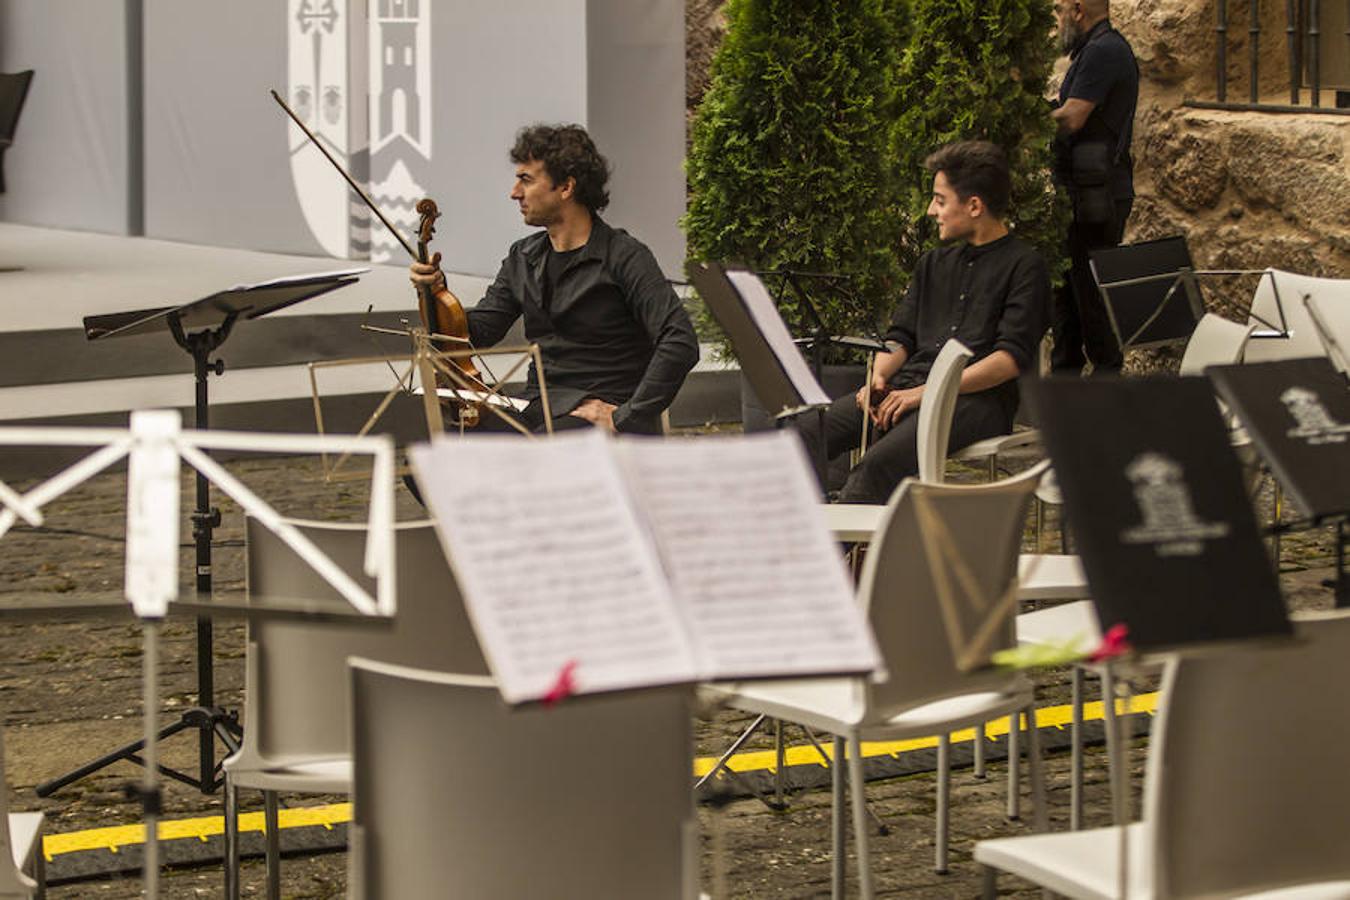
1082 328
532 417
893 455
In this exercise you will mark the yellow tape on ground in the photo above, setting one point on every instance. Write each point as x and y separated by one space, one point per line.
114 838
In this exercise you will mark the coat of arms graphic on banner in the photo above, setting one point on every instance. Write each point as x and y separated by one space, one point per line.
359 77
400 115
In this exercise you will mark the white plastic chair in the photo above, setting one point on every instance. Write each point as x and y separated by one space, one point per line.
1230 809
926 692
1216 341
21 843
296 711
1330 313
1292 289
459 796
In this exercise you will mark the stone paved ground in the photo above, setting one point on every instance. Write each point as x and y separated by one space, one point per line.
71 690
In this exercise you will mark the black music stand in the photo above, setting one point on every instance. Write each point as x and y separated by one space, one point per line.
1297 412
200 328
768 356
1150 291
1168 539
819 336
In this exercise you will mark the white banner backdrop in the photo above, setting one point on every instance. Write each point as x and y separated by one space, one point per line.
68 165
415 97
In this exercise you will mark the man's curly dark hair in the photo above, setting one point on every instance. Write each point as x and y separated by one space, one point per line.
566 151
975 168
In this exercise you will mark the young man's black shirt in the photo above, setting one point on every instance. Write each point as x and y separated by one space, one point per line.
992 297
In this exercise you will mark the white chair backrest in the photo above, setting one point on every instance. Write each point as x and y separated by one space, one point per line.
296 691
899 586
1303 340
1331 316
459 796
1247 783
935 413
1216 341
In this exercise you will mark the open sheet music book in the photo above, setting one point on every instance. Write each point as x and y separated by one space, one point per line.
636 562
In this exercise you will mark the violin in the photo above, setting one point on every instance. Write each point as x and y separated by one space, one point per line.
441 311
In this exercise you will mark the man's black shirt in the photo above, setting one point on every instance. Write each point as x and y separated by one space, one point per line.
991 297
1103 71
609 326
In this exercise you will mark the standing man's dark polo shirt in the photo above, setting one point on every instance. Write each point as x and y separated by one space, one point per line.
610 327
991 297
1103 71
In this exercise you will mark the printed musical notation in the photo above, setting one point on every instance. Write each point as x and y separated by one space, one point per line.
642 562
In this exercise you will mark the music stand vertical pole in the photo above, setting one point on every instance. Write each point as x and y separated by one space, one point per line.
203 524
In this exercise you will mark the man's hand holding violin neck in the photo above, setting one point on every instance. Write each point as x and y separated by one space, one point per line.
428 275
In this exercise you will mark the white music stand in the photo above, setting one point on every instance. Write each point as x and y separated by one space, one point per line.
155 446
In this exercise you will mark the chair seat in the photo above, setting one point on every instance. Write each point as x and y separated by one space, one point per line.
25 830
1084 865
315 776
1050 576
836 705
1056 624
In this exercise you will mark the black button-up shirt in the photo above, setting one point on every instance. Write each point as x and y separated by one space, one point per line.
613 328
991 297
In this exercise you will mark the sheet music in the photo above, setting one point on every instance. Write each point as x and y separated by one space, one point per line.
499 400
755 574
283 280
553 563
765 314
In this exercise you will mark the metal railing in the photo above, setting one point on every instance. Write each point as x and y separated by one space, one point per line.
1304 48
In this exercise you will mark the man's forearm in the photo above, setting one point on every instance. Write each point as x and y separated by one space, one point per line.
993 370
887 364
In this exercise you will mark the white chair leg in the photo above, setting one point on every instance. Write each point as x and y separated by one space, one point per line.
989 883
1014 767
1112 734
1040 810
837 820
979 751
273 825
1076 754
39 870
231 840
858 783
944 788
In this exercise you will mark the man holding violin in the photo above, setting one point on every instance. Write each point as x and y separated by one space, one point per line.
986 288
615 341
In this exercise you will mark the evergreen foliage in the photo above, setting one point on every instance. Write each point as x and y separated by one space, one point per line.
978 69
807 149
789 165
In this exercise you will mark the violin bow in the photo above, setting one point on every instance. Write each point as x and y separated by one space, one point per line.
343 172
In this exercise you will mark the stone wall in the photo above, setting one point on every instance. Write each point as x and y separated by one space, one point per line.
1248 190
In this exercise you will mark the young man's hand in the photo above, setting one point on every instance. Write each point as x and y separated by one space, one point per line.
597 412
895 406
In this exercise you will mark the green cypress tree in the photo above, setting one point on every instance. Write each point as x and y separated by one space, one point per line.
789 164
978 69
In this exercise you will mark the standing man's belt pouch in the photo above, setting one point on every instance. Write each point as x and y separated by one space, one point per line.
1092 202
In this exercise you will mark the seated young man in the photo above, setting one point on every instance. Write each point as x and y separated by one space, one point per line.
984 287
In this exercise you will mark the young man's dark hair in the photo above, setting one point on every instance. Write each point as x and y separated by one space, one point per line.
975 169
566 151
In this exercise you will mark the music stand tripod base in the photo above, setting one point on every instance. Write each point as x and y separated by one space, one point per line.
200 328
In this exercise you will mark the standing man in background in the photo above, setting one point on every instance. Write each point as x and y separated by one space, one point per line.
1095 119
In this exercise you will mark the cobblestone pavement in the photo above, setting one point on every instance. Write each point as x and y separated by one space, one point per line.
70 690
